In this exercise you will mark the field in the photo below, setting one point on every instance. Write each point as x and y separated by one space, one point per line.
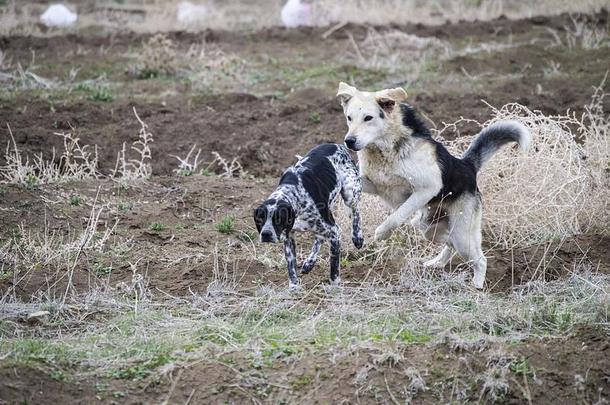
136 150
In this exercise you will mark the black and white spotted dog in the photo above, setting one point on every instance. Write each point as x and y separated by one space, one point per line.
302 202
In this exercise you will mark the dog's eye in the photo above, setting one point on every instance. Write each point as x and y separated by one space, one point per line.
349 118
368 118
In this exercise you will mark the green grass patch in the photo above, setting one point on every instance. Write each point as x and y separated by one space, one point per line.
75 201
102 94
315 117
31 182
124 206
226 225
521 367
156 227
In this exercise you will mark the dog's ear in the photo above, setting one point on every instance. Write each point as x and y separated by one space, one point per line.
398 94
388 98
285 216
260 217
345 93
386 104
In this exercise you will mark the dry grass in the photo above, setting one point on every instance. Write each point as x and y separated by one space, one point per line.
581 33
158 58
77 162
161 16
558 189
140 167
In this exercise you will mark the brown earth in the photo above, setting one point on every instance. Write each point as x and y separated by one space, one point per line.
570 369
264 132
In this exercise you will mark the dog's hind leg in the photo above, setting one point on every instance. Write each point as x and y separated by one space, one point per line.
351 192
441 260
466 238
313 256
291 261
335 256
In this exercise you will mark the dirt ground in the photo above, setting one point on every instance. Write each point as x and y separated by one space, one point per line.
264 124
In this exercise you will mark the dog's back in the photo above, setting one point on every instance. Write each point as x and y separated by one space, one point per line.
321 176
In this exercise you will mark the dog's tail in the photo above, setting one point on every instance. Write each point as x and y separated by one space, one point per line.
493 137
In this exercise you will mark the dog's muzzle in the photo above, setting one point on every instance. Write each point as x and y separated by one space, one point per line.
267 237
350 142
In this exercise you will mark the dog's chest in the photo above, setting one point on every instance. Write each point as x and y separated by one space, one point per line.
390 182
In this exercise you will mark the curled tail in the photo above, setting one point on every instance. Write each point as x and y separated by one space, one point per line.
493 138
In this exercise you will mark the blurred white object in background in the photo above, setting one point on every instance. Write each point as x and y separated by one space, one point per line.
295 14
58 15
189 13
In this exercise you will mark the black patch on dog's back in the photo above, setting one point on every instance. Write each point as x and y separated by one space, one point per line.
319 179
289 178
459 176
411 119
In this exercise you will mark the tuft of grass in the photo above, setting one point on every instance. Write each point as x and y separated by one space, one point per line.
157 227
76 200
124 206
31 182
226 225
207 172
102 94
315 117
521 367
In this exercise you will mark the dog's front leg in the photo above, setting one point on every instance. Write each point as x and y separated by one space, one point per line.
313 256
335 256
291 261
416 201
368 186
357 237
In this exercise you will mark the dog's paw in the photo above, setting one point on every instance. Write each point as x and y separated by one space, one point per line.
358 241
336 282
382 233
433 264
307 267
294 286
478 281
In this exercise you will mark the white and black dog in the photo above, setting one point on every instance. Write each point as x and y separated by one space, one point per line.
417 177
302 202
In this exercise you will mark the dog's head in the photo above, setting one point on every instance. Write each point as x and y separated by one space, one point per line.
274 218
367 113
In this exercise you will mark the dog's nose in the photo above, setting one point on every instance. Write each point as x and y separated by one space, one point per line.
266 236
350 143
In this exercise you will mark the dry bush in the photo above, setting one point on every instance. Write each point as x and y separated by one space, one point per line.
139 168
229 169
28 252
77 162
581 33
158 58
189 164
395 50
208 66
558 189
385 12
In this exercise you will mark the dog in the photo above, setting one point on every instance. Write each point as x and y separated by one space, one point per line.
302 202
417 177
